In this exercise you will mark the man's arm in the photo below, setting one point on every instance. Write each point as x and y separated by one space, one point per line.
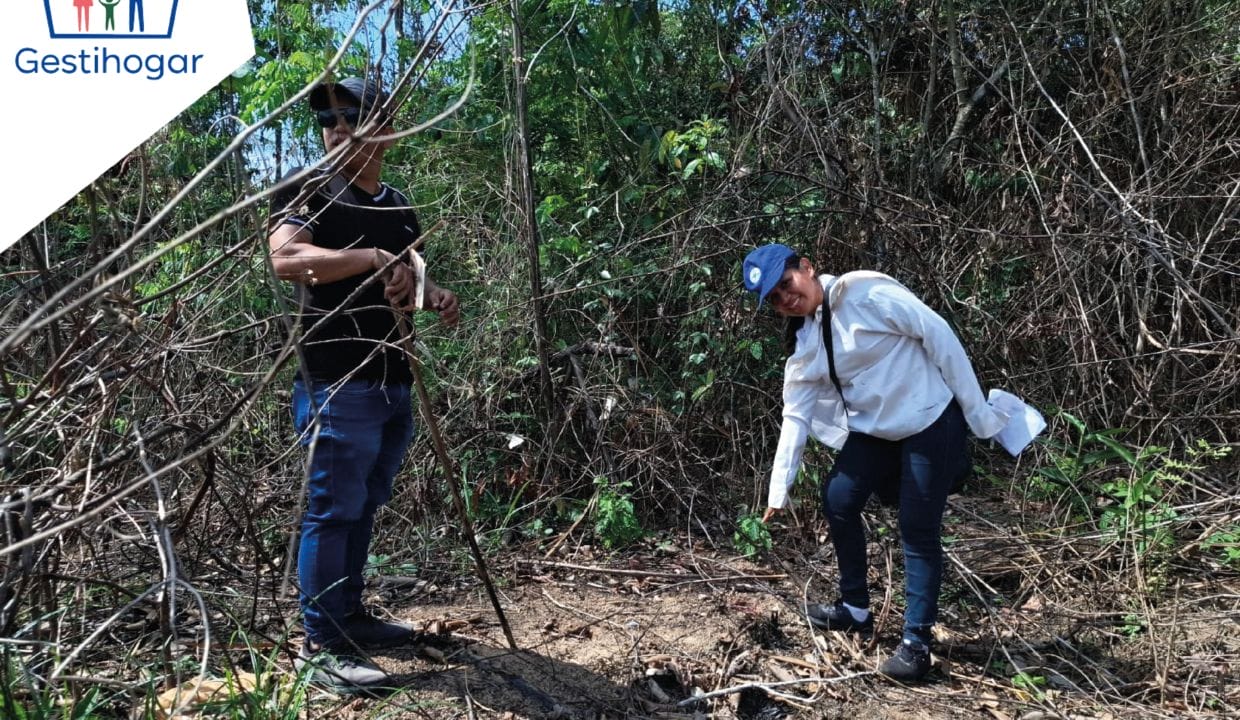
297 259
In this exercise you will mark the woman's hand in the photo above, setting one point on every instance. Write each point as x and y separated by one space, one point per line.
770 513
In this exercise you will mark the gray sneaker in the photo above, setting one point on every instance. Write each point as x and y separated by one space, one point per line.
340 671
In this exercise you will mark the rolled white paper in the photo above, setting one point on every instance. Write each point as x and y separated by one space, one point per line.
419 271
1024 421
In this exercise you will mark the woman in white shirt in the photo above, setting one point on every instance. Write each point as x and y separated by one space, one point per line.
893 392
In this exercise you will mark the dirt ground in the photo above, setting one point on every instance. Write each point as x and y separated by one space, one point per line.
641 634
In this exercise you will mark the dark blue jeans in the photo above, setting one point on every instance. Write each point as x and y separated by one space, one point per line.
366 427
920 471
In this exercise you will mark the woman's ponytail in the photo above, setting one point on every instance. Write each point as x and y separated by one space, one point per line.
792 325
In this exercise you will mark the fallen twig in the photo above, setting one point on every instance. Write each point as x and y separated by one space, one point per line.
767 687
643 573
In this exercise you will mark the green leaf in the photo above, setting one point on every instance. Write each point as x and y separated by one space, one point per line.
1119 449
1073 421
1054 474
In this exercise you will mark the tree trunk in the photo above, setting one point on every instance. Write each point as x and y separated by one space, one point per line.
524 176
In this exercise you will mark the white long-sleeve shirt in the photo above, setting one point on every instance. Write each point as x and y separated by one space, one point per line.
899 364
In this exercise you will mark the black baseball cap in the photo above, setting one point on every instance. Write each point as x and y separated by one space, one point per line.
364 93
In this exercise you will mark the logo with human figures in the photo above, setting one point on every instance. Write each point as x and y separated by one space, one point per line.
104 76
110 18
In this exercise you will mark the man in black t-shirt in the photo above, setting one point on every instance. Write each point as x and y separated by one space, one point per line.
346 238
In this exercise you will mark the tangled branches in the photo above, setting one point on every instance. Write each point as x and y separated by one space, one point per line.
1058 181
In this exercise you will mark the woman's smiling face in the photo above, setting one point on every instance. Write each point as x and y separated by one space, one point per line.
797 293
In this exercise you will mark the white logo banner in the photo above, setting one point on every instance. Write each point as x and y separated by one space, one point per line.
90 80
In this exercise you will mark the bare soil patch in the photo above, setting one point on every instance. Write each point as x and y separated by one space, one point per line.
644 632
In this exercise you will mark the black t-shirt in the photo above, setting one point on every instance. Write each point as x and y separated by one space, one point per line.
364 335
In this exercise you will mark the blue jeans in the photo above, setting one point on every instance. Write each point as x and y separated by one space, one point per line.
920 471
365 430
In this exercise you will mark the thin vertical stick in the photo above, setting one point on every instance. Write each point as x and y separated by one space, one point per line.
449 473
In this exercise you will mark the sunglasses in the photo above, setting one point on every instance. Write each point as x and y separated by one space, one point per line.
330 117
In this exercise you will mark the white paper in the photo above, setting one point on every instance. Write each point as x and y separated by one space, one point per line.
419 271
1023 425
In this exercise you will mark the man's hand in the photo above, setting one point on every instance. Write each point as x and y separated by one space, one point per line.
444 302
770 513
399 283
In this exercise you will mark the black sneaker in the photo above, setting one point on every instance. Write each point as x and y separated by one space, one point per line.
370 633
838 617
909 663
339 671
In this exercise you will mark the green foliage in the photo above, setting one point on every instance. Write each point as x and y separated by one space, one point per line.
1225 543
24 697
1132 498
1031 683
698 373
1134 508
752 535
615 518
696 150
1084 453
992 285
1134 624
267 693
377 565
667 138
1137 507
495 506
537 528
293 45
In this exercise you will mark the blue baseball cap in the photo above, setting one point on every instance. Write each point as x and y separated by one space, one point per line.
764 267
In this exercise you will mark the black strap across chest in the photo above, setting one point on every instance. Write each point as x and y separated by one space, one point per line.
827 341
